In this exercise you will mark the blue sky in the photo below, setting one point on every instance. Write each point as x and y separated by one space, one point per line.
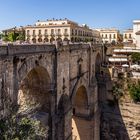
95 13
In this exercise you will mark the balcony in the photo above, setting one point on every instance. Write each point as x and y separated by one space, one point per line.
58 34
40 35
28 35
52 34
34 35
46 35
66 34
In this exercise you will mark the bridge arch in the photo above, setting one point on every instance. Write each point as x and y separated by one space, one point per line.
34 98
80 102
34 91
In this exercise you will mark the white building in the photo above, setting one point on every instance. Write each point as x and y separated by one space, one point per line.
57 30
136 32
128 36
109 35
96 36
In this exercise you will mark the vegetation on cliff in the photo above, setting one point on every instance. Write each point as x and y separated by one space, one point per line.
134 90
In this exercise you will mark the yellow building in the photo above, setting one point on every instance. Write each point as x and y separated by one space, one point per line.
57 30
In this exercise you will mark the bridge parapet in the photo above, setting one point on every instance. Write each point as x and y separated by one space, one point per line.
25 49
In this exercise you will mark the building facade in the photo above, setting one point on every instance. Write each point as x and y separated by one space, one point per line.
128 36
136 29
57 30
109 35
96 36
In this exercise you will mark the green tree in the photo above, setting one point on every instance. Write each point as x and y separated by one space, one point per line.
15 128
13 36
21 37
134 90
135 57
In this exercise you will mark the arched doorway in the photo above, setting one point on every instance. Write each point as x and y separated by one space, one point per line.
59 39
39 40
34 96
51 40
72 39
65 39
80 102
34 40
46 40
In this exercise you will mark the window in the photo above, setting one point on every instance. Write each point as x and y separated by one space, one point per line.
110 36
59 31
39 32
114 36
75 32
130 36
66 30
33 32
72 32
28 32
46 31
106 36
125 36
52 31
80 69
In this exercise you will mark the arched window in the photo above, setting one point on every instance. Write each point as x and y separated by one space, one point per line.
125 36
33 32
46 32
52 31
28 32
39 32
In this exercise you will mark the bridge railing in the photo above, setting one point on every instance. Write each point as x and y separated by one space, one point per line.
25 49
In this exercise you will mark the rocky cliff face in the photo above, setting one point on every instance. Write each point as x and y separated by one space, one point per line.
131 116
120 120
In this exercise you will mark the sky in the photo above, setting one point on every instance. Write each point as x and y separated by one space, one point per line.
95 13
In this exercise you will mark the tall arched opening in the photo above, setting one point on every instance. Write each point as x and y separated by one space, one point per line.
82 126
80 102
34 96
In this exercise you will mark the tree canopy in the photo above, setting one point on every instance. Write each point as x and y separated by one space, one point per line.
13 36
135 57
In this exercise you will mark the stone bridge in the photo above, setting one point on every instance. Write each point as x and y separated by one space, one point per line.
56 81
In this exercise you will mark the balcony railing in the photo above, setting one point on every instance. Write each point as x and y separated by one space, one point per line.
40 35
58 34
46 35
52 34
28 35
34 35
66 34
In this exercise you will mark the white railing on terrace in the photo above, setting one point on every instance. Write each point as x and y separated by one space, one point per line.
111 59
127 50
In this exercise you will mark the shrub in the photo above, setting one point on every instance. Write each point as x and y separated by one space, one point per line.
13 128
134 90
